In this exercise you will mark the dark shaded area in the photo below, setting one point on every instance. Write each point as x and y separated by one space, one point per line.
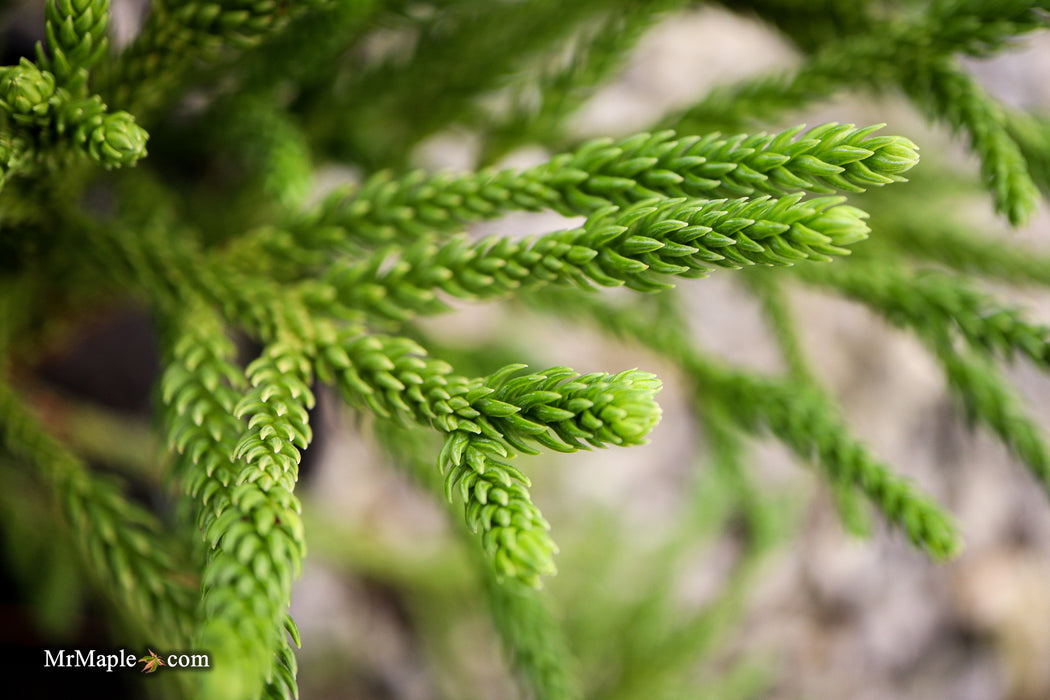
22 656
115 363
21 27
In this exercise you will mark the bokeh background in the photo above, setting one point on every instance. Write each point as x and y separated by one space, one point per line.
829 615
386 606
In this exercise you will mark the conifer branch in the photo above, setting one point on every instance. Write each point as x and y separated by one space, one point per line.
803 419
244 489
938 308
178 33
335 292
982 27
950 243
201 389
111 139
242 477
918 57
987 397
1032 136
76 36
972 27
122 545
522 616
805 422
257 539
485 421
603 172
282 684
798 415
51 116
952 95
878 56
636 248
27 93
514 534
931 300
556 409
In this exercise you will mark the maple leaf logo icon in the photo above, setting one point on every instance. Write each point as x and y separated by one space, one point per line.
152 662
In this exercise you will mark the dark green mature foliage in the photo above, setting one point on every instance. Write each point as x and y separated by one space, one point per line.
240 102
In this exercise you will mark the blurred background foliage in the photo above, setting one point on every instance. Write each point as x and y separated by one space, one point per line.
701 565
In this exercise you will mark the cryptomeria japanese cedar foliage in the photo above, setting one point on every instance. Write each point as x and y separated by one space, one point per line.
177 172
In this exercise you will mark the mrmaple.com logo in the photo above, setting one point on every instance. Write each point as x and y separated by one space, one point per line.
121 659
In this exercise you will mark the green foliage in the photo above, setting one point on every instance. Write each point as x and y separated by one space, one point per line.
216 231
605 172
76 35
123 545
523 616
250 525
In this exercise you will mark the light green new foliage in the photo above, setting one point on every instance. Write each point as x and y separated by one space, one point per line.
485 421
223 234
200 388
387 211
258 538
26 92
956 98
513 532
522 615
635 248
49 101
594 408
241 475
602 172
76 35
